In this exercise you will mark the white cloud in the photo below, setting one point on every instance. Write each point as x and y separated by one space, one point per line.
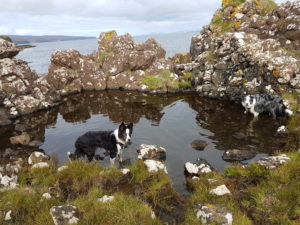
90 17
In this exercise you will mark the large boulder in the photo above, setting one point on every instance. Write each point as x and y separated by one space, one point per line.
250 47
119 64
8 49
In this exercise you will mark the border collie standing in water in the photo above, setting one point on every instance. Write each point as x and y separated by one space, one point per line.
114 142
270 103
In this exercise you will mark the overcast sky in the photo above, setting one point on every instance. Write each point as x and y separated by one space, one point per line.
90 17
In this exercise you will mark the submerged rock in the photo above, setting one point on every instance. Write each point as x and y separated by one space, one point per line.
199 144
196 169
273 162
238 155
63 215
213 214
151 152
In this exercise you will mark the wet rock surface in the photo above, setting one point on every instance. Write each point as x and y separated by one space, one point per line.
238 155
213 214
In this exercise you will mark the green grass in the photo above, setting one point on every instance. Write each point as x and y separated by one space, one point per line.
123 210
102 56
259 196
201 194
266 6
162 81
270 196
27 206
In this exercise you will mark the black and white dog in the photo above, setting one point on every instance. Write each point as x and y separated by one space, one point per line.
114 142
270 103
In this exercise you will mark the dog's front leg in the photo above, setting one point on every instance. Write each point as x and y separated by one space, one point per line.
112 161
121 155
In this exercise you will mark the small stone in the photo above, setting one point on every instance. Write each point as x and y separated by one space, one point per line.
125 171
37 157
151 152
40 165
155 166
213 214
220 190
106 198
61 168
199 144
196 169
8 216
46 195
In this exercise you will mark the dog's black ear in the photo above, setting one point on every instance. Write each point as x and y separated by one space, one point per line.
130 126
122 126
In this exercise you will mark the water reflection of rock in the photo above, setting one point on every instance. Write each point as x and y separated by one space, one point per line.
232 129
117 105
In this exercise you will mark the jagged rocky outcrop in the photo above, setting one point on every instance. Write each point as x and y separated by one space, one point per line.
119 63
251 47
21 90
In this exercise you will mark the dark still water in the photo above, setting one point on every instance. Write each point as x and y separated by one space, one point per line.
171 121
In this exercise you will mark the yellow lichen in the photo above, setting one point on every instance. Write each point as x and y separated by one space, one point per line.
109 35
276 73
258 3
237 24
239 72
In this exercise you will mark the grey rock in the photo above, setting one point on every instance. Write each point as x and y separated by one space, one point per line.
238 155
213 214
151 152
197 169
63 215
272 162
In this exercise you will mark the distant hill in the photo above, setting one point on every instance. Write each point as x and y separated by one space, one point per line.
29 39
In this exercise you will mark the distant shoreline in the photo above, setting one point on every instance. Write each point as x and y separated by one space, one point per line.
31 40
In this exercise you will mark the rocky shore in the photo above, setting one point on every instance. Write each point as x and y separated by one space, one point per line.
249 47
